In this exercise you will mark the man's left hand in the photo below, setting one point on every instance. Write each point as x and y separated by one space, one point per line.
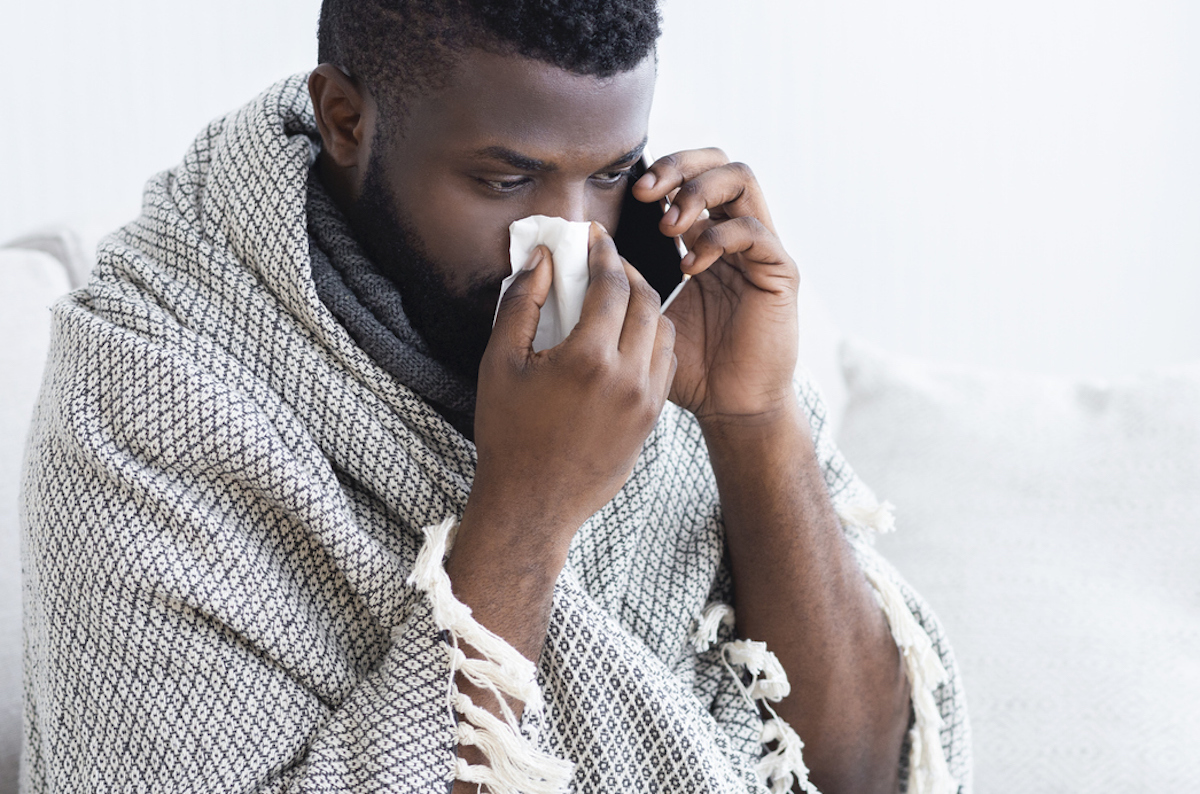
796 583
736 325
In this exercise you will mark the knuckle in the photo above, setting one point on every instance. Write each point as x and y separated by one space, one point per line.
602 249
644 405
517 290
644 292
688 191
712 237
507 318
611 281
632 392
593 366
744 172
754 226
718 153
666 332
650 408
519 297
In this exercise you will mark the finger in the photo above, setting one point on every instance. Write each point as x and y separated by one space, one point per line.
641 316
664 362
727 191
693 233
604 303
748 246
668 173
519 311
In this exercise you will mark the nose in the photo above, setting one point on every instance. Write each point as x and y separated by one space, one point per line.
569 202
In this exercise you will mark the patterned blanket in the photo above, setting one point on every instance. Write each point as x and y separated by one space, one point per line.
234 524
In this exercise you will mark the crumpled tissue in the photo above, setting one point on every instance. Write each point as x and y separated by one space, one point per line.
568 244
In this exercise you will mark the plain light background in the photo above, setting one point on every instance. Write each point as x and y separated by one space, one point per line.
1011 185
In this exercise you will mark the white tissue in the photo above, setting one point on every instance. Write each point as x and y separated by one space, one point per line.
568 244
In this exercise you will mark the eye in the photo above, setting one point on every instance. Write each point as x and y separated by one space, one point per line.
612 178
505 185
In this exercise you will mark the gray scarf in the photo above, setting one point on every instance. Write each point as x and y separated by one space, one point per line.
368 304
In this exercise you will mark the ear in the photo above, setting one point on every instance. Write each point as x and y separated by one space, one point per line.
344 113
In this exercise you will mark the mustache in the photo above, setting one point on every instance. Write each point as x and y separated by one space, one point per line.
485 289
482 293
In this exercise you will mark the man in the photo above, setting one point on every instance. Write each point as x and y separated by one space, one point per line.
285 375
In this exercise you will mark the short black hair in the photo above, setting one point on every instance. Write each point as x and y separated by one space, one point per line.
400 47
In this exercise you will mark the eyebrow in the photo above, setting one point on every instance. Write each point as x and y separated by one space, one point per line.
523 162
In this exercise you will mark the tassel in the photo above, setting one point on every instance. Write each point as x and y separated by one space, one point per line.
928 772
769 678
783 767
506 761
708 625
869 515
514 765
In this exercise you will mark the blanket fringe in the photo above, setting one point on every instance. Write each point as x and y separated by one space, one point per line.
514 765
769 680
928 772
709 624
783 767
869 514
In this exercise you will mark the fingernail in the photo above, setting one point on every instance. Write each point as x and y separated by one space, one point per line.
648 179
687 261
672 216
536 258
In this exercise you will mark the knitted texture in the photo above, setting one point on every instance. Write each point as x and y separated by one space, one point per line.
225 498
368 304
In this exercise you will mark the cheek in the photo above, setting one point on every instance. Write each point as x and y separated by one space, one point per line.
606 208
465 235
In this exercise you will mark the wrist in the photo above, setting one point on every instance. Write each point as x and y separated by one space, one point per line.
749 451
510 536
783 418
508 591
506 577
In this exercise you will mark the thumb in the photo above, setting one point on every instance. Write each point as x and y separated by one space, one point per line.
517 318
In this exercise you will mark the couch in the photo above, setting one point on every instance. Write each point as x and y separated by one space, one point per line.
1054 524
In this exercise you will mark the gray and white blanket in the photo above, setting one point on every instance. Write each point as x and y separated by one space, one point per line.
234 520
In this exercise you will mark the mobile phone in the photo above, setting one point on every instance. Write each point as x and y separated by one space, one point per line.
639 240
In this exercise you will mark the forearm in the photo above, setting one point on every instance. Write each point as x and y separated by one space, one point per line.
504 568
557 432
798 588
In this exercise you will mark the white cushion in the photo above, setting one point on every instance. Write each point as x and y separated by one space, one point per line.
74 247
819 339
1055 527
32 280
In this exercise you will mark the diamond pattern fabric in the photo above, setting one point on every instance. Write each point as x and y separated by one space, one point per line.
225 495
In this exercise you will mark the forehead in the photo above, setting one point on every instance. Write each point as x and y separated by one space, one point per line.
533 107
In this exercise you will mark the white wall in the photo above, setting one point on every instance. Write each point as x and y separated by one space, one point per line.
97 97
1010 184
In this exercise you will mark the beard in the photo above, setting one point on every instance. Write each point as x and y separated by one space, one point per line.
456 327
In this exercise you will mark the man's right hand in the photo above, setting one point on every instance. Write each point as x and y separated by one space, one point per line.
558 433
